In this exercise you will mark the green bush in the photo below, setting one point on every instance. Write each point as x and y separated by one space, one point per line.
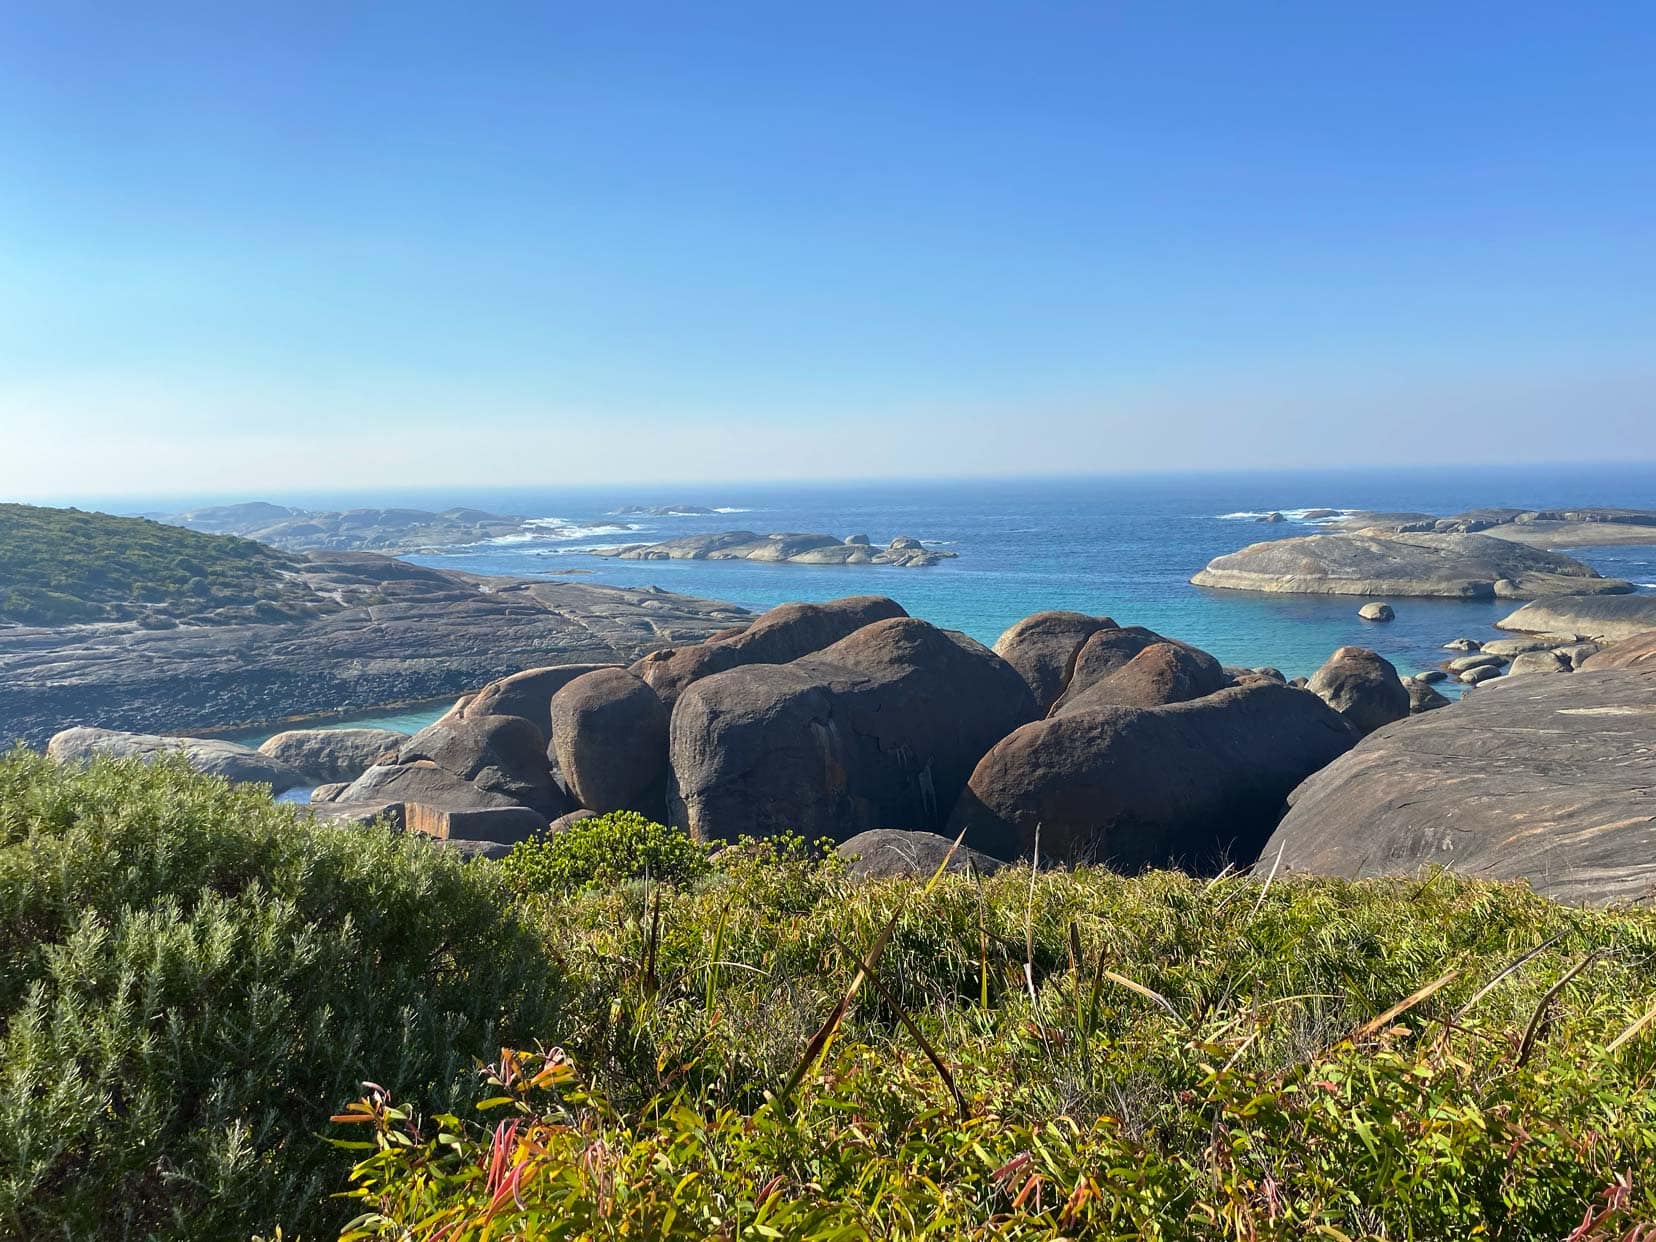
61 566
192 979
1150 1057
604 850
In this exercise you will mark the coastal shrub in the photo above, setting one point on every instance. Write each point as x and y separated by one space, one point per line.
193 978
605 849
1074 1054
61 566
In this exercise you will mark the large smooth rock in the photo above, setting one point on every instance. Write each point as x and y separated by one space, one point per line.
1377 612
882 852
787 632
1636 652
1042 647
527 694
1546 779
881 729
1362 686
1162 673
1107 651
236 763
330 755
1375 562
609 733
1609 619
1131 787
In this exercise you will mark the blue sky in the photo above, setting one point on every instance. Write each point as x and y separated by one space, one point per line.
249 246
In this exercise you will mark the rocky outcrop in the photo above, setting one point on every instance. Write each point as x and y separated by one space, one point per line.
1585 616
399 633
880 729
1404 564
1362 686
884 852
791 548
331 755
1377 612
1042 648
609 733
1160 674
785 633
1592 526
1546 779
240 765
1188 784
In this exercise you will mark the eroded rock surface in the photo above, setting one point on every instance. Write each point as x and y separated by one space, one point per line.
1546 779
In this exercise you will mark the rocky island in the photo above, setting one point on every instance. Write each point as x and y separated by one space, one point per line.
793 549
1592 526
1377 561
389 531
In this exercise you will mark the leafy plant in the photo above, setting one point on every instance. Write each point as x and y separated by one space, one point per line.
604 850
192 979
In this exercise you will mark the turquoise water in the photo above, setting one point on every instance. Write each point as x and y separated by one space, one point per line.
1125 547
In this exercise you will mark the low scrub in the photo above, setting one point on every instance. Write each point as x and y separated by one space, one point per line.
1065 1055
192 979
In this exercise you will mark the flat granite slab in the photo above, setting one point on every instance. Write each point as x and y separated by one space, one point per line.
406 633
1547 779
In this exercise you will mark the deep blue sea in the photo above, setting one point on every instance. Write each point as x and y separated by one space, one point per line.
1123 546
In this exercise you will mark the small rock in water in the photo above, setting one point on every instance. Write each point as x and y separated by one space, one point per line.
1462 644
1539 662
1429 675
1469 662
1376 612
1271 519
1483 672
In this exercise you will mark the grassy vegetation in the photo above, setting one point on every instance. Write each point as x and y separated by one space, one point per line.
192 980
1084 1055
63 566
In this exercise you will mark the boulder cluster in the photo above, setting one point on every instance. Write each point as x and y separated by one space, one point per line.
1076 738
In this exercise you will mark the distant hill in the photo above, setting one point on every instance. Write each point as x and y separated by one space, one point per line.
65 567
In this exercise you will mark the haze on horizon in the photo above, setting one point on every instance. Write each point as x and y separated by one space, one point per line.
257 248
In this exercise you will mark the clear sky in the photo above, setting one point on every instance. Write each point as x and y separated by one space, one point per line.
247 246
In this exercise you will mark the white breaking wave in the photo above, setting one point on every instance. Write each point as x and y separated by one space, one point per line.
1292 515
544 529
732 509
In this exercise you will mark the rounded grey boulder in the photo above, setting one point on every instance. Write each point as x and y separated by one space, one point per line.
1362 686
882 852
1377 612
609 733
1138 787
330 755
527 694
1042 648
1160 674
880 729
787 632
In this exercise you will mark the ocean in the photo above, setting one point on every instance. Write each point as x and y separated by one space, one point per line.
1123 546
